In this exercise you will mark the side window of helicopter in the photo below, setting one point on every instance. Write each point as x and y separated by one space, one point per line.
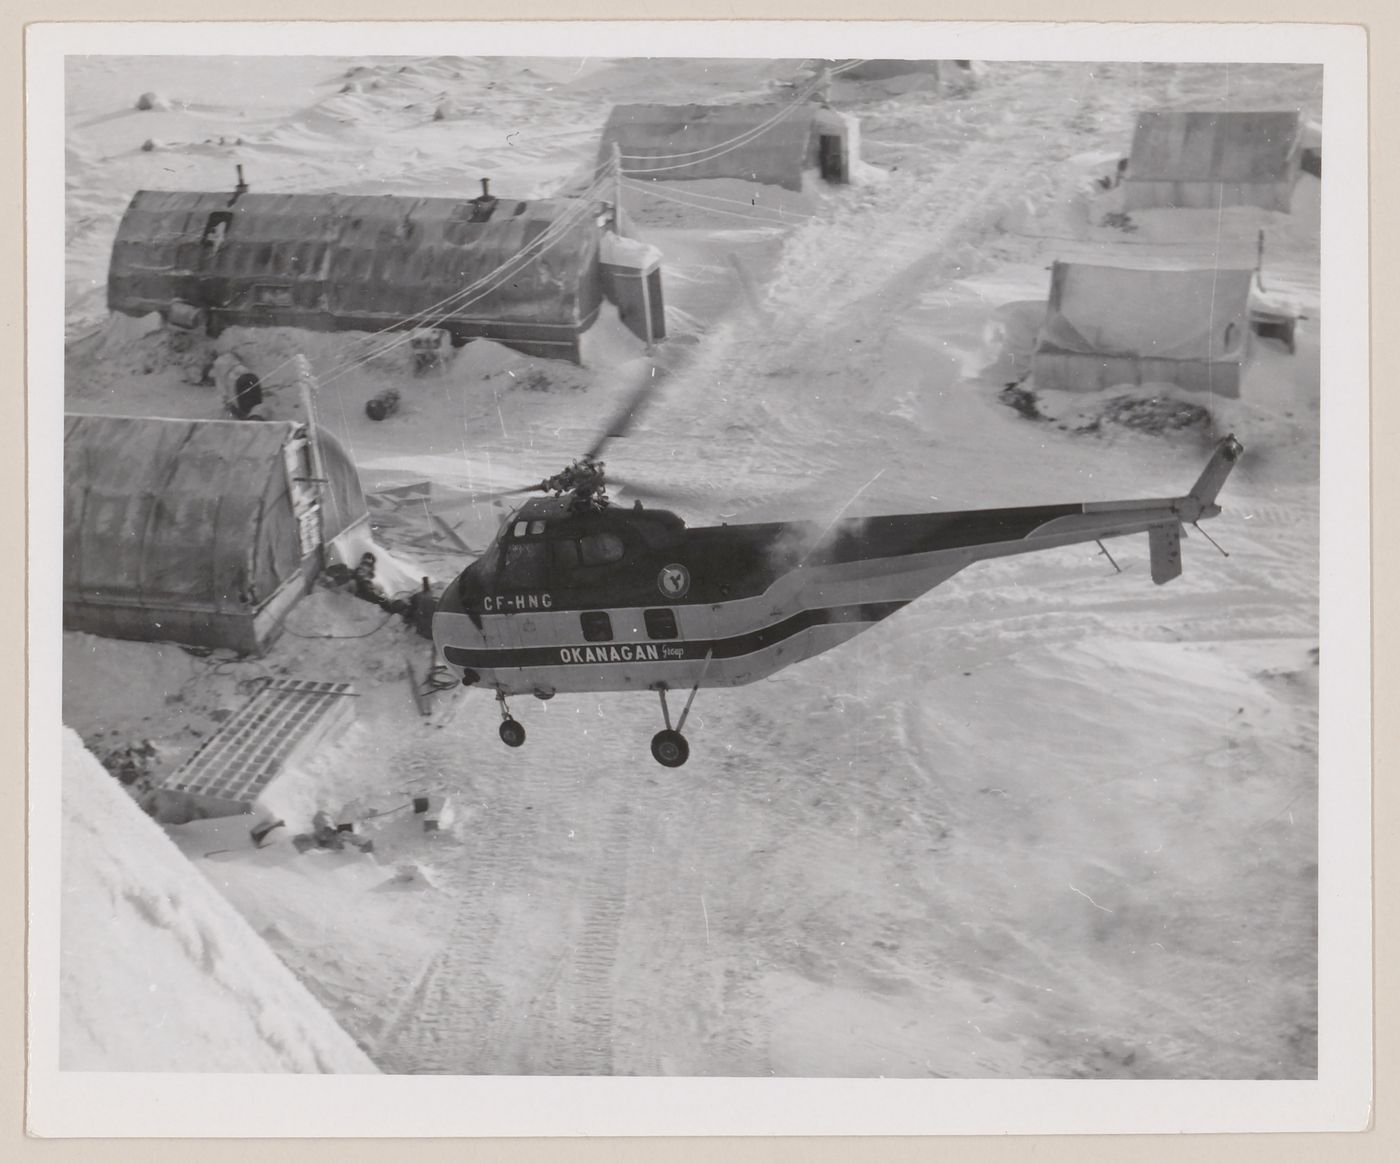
601 549
597 626
524 565
661 623
521 528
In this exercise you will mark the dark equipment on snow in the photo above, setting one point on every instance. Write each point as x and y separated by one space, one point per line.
386 403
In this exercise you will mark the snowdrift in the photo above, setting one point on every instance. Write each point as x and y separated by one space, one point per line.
159 973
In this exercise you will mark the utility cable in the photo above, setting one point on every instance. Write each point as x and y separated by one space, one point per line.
714 209
746 135
645 188
482 287
573 215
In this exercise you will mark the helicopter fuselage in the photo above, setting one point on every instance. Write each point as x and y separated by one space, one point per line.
616 599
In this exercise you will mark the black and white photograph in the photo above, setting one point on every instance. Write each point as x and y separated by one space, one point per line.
692 562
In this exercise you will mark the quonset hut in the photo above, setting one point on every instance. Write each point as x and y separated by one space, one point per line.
204 532
526 274
773 144
1204 161
1106 326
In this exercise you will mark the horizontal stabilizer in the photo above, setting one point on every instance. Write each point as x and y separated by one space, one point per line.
1207 487
1165 544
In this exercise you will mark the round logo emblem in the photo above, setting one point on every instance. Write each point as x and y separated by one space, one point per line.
673 581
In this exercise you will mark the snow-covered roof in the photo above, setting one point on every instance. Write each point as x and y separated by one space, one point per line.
758 143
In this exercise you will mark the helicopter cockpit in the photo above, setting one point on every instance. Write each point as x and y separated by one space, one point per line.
544 545
531 557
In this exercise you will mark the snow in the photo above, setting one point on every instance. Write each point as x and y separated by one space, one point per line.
159 971
1048 821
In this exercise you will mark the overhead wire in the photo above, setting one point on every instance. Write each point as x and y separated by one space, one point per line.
463 297
483 285
445 306
670 197
745 135
476 290
648 189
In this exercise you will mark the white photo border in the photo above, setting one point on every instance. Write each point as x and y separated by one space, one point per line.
88 1104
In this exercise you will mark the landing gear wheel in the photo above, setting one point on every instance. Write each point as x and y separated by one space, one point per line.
669 748
512 733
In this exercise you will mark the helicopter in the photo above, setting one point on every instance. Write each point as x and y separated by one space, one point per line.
577 594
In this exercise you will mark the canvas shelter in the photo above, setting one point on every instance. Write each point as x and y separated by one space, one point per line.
203 532
772 144
330 262
1106 326
1204 161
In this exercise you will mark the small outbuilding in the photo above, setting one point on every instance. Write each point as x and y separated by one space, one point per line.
524 273
1105 326
204 532
773 144
1205 160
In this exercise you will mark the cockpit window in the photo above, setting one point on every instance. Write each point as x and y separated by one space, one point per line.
521 528
537 527
600 549
524 565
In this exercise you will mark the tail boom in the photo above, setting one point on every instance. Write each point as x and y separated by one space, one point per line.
936 546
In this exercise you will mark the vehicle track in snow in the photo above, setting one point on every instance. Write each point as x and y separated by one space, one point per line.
439 1028
843 282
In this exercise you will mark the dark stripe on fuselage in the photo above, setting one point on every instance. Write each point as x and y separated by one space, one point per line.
898 535
675 650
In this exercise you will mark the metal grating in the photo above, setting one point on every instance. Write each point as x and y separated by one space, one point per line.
288 717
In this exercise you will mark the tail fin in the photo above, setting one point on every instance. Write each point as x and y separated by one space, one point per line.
1200 502
1164 542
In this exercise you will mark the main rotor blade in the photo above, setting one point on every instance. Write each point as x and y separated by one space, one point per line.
659 492
632 408
496 494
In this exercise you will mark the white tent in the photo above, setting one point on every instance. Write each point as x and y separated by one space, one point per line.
1129 325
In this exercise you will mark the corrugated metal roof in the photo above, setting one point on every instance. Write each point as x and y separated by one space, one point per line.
320 259
192 514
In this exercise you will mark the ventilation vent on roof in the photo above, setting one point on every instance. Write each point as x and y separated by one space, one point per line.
484 205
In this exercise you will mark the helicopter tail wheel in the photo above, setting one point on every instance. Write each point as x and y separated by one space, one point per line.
669 748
